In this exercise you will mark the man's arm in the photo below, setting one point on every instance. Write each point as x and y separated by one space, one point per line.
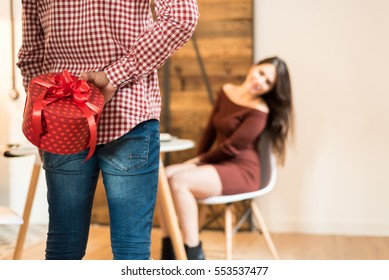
32 50
175 23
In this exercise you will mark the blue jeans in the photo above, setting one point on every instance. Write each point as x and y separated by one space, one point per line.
129 166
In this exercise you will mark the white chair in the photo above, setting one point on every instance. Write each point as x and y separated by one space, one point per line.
7 215
268 180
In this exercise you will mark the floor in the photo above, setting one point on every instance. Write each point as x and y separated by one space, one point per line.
247 245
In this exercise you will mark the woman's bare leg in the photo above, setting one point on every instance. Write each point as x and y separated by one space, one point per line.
170 171
187 185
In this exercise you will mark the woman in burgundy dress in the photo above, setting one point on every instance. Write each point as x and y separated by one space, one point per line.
227 161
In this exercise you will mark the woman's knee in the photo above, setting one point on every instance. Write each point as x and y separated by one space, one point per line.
169 170
178 182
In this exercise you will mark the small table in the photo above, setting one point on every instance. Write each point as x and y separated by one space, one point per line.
21 151
164 196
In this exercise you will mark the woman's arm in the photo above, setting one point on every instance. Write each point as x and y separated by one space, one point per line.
209 134
245 134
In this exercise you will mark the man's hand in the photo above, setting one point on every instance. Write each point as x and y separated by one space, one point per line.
101 81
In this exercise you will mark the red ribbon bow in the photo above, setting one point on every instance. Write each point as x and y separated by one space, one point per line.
63 86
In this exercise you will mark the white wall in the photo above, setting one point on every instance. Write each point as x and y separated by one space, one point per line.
15 173
336 178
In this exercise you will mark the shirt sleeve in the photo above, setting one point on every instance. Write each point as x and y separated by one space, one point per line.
175 23
31 53
245 134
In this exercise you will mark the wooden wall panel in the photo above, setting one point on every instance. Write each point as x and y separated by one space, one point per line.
224 37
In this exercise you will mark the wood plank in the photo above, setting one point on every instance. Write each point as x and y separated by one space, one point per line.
214 10
231 68
224 29
217 47
196 83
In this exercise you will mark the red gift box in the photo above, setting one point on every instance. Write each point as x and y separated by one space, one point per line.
61 113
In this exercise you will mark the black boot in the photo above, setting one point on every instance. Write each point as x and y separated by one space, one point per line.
194 253
167 249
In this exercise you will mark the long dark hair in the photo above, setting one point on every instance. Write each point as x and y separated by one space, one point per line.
280 123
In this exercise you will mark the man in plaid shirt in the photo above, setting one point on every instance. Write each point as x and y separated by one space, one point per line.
117 46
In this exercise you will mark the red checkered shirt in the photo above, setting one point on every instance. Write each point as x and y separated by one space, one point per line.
119 37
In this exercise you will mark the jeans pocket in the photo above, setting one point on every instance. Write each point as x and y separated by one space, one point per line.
73 163
52 161
131 151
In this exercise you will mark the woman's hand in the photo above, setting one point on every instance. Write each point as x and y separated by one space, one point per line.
101 81
195 161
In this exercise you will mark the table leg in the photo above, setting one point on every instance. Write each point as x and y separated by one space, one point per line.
27 211
166 204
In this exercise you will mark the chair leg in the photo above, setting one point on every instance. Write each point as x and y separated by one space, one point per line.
228 231
203 211
264 229
27 211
